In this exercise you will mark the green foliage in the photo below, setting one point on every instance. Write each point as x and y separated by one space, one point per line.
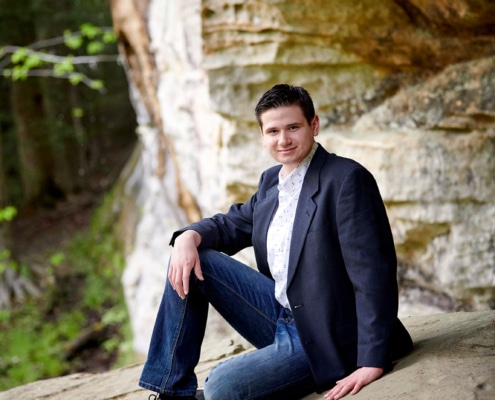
57 259
19 55
96 36
7 213
77 112
6 261
64 67
85 291
73 42
76 78
108 37
96 84
26 61
95 47
90 31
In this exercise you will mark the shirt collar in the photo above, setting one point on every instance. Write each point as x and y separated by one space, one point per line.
299 172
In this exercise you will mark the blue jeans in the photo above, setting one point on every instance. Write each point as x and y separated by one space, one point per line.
278 369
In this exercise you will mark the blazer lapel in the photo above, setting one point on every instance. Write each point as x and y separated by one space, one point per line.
266 209
306 208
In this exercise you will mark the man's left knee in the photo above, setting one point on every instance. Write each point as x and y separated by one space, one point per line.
222 383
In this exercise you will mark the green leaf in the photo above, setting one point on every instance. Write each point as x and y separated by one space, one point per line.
32 61
65 67
8 213
19 73
57 259
95 47
109 37
19 55
96 84
76 78
77 112
5 254
74 42
89 30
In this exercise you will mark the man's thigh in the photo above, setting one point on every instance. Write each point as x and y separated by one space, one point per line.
277 371
242 295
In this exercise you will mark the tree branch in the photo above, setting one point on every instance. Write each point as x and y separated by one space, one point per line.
54 59
62 39
82 78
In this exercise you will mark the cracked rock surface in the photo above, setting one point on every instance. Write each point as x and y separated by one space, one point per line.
453 358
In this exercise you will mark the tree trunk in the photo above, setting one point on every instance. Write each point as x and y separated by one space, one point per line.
67 136
33 140
12 285
66 139
5 231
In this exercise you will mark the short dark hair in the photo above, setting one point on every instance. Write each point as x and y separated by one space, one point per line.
283 95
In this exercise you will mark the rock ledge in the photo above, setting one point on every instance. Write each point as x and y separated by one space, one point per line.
453 358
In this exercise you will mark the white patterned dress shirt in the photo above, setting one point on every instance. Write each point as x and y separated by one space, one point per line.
280 230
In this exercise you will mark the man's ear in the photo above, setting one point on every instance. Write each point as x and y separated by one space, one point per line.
315 125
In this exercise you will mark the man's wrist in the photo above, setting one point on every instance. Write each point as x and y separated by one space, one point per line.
191 235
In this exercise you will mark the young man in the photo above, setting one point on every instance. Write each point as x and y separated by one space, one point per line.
321 311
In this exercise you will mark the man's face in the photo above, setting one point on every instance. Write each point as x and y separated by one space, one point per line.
287 135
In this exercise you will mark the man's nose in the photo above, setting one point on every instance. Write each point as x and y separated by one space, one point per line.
284 137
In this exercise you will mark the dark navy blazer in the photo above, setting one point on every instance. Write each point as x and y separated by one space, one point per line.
342 284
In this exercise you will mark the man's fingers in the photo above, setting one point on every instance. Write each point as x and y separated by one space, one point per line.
338 391
185 283
180 271
180 278
198 272
187 276
175 277
357 388
354 382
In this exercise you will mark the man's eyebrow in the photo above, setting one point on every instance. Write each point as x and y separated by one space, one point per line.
286 125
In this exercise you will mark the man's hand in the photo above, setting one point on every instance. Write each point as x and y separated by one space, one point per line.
184 259
354 382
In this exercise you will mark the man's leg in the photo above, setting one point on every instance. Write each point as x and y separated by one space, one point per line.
278 371
241 294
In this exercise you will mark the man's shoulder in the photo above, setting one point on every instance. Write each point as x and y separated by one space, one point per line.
269 178
335 163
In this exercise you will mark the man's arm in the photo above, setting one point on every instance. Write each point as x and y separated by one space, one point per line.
369 256
184 259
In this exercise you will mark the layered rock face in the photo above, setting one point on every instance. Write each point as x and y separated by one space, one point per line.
405 87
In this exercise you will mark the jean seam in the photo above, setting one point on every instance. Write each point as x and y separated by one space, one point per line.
257 310
176 340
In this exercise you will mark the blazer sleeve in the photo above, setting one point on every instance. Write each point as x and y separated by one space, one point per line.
370 261
228 232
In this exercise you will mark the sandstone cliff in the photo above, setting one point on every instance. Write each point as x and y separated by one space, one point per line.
406 87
